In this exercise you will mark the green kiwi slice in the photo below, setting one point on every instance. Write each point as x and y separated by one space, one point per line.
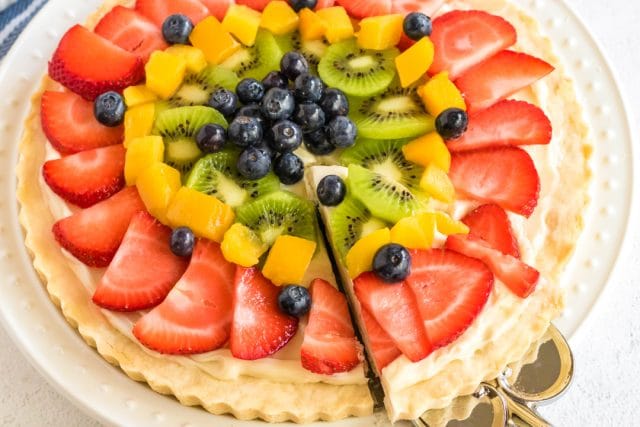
279 213
178 127
197 88
312 50
355 71
394 114
217 175
258 60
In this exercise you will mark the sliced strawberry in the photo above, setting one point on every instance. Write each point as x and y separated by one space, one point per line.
196 315
505 176
259 328
508 122
381 345
428 7
217 8
131 31
254 4
515 274
79 64
143 270
395 308
70 125
323 4
500 76
159 10
363 8
93 235
87 178
463 39
491 224
451 290
330 345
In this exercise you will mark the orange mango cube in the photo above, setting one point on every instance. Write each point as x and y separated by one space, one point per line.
439 94
141 153
243 22
339 26
242 246
194 57
138 122
360 257
312 26
415 232
436 183
380 32
138 95
288 260
165 73
279 18
213 40
449 226
427 149
157 185
414 62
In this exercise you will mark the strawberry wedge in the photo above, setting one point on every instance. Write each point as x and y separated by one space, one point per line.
89 64
159 10
508 122
195 317
254 4
364 8
217 8
491 224
500 76
143 270
504 176
381 345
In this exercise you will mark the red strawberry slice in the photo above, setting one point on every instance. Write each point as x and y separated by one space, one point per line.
363 8
69 124
508 122
505 176
516 275
217 8
381 345
87 178
131 31
463 39
500 76
259 328
254 4
396 310
428 7
451 290
323 4
330 345
93 235
491 224
143 270
159 10
79 64
196 315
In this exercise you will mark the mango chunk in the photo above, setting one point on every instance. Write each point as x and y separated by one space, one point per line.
206 215
449 226
213 40
415 232
414 62
439 94
242 246
157 185
380 32
428 149
339 26
436 183
138 122
165 73
288 260
243 22
138 95
194 57
311 27
279 18
360 257
141 153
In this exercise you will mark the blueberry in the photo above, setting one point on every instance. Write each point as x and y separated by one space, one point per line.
182 241
309 116
392 263
249 90
254 163
211 138
245 131
341 132
289 168
298 5
176 29
452 123
287 136
278 104
417 25
318 144
225 101
293 64
252 110
294 300
334 103
275 79
109 109
331 190
308 88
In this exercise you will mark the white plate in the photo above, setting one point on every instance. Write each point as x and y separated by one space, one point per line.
106 393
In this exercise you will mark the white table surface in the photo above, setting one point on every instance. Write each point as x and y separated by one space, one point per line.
607 348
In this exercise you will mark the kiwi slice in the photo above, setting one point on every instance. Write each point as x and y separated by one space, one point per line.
197 88
216 174
357 72
178 127
258 60
312 50
394 114
279 213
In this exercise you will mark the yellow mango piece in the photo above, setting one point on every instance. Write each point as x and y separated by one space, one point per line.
165 73
439 94
414 232
279 18
380 32
242 246
360 257
194 57
436 182
243 22
206 215
213 40
427 149
449 226
288 260
141 153
157 185
137 95
311 27
138 122
414 62
339 26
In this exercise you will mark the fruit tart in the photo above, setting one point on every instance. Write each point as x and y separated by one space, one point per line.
193 172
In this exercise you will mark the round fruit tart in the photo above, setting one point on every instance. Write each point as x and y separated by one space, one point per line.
193 172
